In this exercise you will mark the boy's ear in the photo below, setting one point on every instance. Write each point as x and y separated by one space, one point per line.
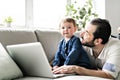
75 28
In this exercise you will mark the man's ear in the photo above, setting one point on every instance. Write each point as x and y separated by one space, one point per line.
98 41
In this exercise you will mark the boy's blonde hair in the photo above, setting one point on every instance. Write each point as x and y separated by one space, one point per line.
70 20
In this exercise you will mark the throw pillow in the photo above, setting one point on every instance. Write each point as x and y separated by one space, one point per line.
8 68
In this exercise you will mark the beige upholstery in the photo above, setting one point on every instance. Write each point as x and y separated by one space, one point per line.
49 41
8 68
16 36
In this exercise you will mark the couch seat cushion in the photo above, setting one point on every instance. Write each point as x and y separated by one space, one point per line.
65 78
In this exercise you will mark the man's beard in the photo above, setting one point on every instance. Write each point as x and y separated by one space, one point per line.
89 44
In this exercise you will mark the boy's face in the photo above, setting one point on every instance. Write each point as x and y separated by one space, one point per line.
67 29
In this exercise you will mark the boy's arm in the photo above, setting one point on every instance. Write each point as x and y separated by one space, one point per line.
76 52
56 60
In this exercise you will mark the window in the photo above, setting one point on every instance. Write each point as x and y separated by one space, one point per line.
100 8
47 13
44 14
13 8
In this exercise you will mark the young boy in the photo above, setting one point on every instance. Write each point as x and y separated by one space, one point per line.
70 51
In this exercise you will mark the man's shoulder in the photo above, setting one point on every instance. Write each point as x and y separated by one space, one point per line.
113 41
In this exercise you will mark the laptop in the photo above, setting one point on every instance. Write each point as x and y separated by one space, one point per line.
32 60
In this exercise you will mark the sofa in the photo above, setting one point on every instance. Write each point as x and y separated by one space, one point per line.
9 70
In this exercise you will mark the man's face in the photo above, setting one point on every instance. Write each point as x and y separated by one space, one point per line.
87 35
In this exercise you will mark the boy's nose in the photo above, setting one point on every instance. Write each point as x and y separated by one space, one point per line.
66 29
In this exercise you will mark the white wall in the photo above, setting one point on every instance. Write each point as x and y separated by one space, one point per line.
112 13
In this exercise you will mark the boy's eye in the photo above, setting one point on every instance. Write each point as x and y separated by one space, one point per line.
69 27
63 27
66 27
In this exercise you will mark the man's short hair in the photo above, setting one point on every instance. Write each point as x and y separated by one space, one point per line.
103 29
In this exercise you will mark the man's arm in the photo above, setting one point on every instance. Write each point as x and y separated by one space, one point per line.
88 72
82 71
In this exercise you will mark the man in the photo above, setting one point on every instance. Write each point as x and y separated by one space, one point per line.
103 51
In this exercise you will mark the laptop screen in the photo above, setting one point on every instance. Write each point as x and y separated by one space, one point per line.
31 58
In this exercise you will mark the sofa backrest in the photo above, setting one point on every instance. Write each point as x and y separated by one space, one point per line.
16 36
49 41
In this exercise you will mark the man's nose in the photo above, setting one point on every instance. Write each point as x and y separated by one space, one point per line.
82 33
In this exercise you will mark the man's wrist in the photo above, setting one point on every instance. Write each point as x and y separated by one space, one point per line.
75 69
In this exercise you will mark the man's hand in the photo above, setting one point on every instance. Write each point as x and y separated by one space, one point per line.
64 70
55 67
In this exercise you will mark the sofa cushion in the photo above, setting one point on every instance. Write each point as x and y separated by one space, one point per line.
8 68
49 40
77 77
9 36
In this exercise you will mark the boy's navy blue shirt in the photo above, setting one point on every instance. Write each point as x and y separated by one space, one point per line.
71 53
